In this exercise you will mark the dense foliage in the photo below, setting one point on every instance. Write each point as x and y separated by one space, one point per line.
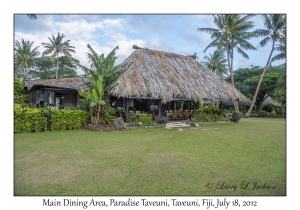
57 46
28 120
24 54
44 68
62 119
203 117
101 74
246 81
268 107
19 96
216 62
35 120
275 33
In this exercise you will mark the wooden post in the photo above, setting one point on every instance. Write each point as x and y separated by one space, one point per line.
48 122
221 107
194 108
45 97
126 108
159 108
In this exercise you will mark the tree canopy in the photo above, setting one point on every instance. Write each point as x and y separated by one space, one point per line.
58 46
216 62
44 68
275 33
246 81
24 55
232 33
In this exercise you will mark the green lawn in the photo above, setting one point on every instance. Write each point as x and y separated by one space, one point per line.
218 159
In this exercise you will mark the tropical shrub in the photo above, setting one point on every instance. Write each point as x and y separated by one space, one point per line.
62 119
35 120
200 117
108 115
28 120
145 120
101 75
19 96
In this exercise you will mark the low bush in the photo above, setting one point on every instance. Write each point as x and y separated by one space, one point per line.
202 117
29 120
62 119
35 120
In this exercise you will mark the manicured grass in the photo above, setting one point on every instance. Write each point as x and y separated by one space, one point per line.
210 160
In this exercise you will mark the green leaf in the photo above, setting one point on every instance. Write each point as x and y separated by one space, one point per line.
93 104
53 57
95 95
115 84
84 102
102 102
99 87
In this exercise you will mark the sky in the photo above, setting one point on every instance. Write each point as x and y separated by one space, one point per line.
175 33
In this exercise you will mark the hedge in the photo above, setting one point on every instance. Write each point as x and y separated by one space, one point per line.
62 119
34 120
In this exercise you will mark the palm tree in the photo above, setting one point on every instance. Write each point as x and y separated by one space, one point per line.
24 55
276 25
281 47
32 16
216 63
57 46
232 33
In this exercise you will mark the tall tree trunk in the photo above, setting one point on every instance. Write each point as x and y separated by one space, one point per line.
230 61
260 81
56 65
24 78
235 102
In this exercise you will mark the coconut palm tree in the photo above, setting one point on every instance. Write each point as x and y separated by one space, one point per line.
32 16
281 47
232 33
216 62
275 33
58 46
24 55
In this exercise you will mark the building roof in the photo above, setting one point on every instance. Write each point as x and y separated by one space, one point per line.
272 101
68 83
167 76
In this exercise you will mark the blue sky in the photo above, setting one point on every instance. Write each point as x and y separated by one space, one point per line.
163 32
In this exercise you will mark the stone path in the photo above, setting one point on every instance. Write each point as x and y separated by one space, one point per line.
171 125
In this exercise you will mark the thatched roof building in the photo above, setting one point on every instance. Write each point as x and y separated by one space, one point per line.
67 83
271 101
169 76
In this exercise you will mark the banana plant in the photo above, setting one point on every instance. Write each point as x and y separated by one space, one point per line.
100 75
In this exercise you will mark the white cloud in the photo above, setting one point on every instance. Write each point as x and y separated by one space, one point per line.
77 29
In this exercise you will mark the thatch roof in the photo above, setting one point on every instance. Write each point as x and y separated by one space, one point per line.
167 76
272 101
68 83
